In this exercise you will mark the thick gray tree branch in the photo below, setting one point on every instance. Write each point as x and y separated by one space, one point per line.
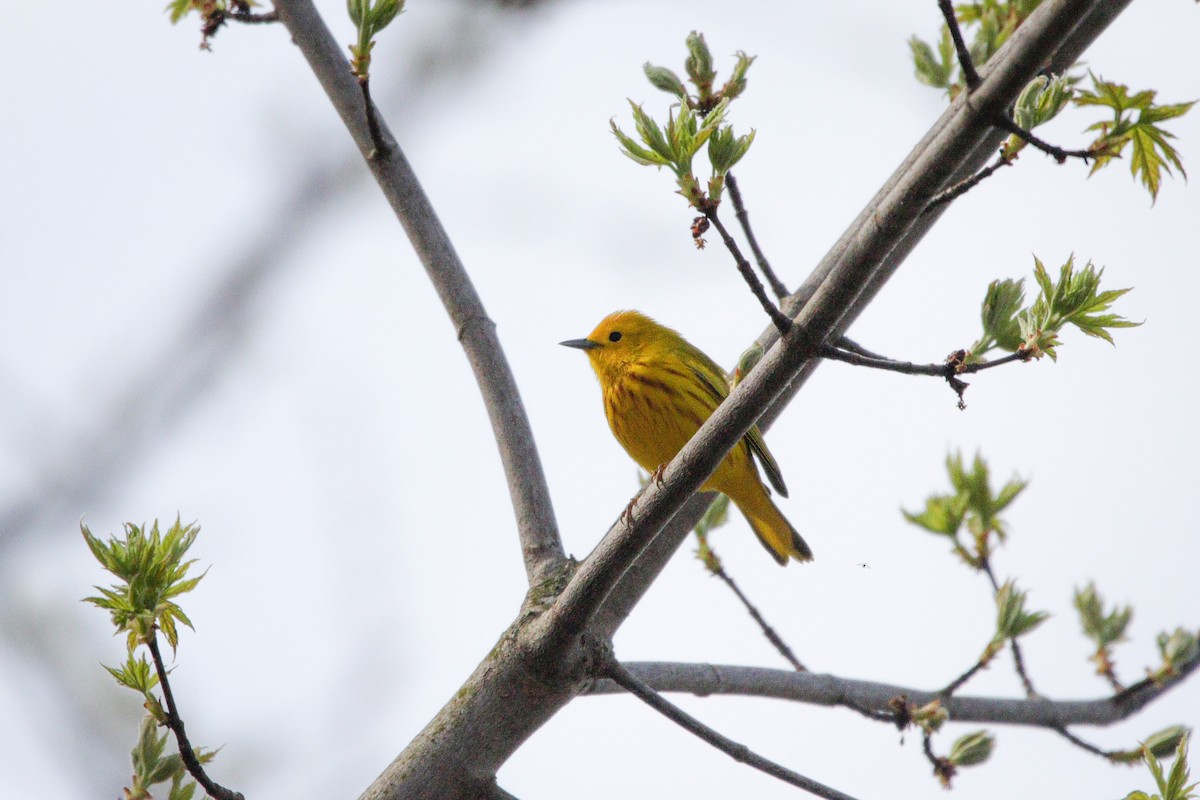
831 690
540 543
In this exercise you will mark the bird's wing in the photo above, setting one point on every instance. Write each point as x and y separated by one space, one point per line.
716 383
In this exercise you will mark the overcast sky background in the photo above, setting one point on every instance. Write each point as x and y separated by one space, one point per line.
206 308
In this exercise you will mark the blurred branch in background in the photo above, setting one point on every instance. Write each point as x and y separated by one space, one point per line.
70 471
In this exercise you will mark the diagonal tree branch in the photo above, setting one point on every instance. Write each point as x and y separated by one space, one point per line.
540 543
830 690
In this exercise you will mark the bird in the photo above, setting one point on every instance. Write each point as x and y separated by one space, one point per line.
658 389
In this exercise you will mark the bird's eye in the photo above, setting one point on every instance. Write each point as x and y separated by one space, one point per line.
615 336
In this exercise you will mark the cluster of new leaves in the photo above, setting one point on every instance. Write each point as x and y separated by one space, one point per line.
151 573
1173 785
972 504
1074 299
1136 122
369 18
152 766
1152 154
696 120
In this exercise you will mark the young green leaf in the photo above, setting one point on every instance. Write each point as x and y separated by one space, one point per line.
971 749
929 68
1103 629
1152 154
999 316
665 80
151 570
699 66
1075 299
737 81
1012 620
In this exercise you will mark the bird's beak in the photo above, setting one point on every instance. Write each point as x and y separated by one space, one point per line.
580 344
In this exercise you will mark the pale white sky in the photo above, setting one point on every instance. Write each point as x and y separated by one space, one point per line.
317 417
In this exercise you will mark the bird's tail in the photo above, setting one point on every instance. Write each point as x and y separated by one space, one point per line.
775 532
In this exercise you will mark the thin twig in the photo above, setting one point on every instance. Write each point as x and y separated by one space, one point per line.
860 358
735 750
965 62
949 370
781 321
966 676
964 186
251 18
767 630
851 346
1007 123
942 767
743 217
175 723
1083 743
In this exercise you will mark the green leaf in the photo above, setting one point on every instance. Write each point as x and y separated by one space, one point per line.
665 80
929 69
635 151
972 502
1164 743
737 81
714 517
151 570
1152 153
971 749
1075 299
1103 629
1012 620
999 317
699 65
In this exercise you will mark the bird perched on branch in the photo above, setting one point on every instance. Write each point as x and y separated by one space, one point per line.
658 390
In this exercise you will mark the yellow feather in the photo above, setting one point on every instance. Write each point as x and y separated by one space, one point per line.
658 390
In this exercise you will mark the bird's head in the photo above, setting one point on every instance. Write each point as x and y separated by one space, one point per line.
621 338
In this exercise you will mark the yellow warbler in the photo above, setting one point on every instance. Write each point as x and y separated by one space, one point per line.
658 390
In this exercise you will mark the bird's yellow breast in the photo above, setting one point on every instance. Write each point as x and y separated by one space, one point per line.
653 412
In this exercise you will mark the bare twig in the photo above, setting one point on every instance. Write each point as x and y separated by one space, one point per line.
943 370
1083 744
773 637
743 218
1006 123
955 684
964 186
175 723
943 769
965 62
780 320
948 370
738 752
540 543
